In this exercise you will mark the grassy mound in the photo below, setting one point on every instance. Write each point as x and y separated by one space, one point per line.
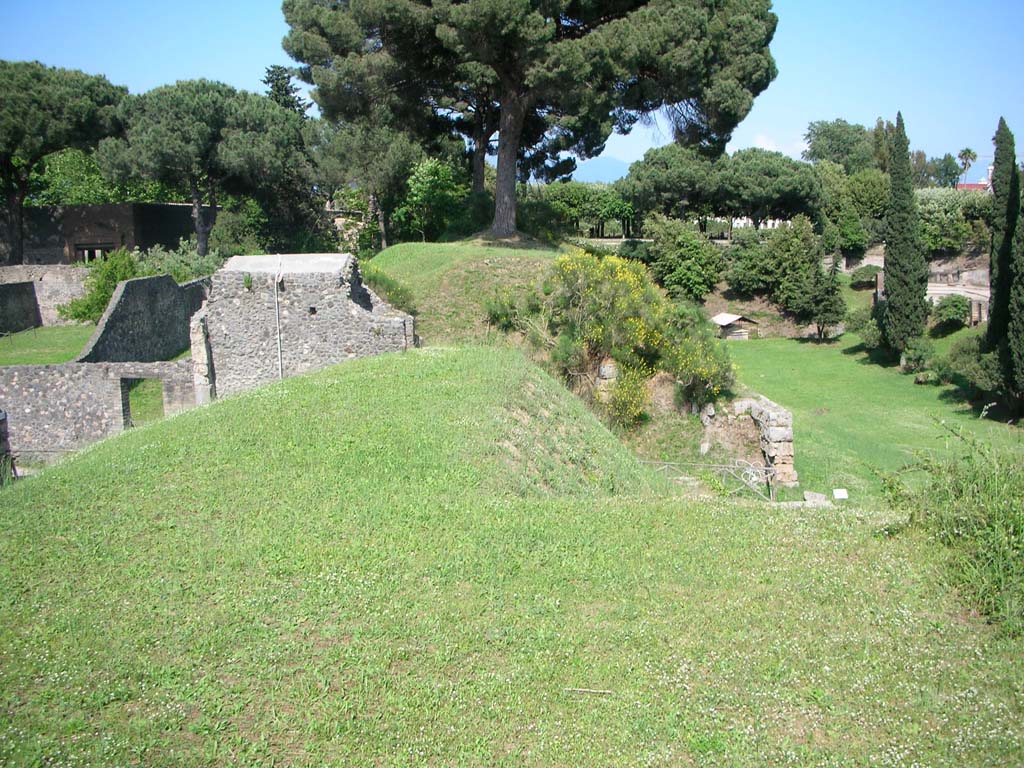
450 282
418 559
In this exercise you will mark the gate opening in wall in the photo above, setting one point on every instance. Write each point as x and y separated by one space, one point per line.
142 401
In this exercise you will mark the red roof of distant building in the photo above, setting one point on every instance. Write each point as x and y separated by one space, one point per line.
973 187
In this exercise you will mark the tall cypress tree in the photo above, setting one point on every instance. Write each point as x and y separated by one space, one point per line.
906 272
1005 210
1015 322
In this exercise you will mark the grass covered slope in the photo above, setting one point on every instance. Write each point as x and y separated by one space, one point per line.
365 566
450 282
852 417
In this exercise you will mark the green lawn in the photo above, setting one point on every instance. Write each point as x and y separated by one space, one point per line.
428 559
854 418
42 346
451 281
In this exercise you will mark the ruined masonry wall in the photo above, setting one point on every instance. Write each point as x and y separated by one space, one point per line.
775 425
55 284
325 318
56 409
146 320
19 310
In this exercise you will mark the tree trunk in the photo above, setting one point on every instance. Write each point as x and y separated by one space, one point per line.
15 226
479 164
513 113
203 217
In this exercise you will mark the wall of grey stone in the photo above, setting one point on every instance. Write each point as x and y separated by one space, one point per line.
55 284
147 319
19 309
56 409
325 318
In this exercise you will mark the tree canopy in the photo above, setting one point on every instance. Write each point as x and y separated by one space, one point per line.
207 138
847 144
765 185
553 76
906 272
44 110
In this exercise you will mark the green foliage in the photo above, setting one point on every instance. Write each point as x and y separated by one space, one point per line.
795 254
182 263
282 91
944 227
636 250
918 355
598 308
837 141
44 110
974 369
558 80
765 185
869 193
750 268
826 306
672 180
682 260
436 192
863 322
211 140
102 280
393 291
864 277
1014 356
1005 212
906 272
951 312
72 177
973 506
628 400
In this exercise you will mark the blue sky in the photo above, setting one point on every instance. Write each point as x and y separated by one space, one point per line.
953 67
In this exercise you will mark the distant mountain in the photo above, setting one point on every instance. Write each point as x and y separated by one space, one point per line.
605 169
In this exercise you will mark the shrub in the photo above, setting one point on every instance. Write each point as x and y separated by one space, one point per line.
596 308
388 288
749 270
864 323
502 311
183 263
102 280
971 368
918 355
637 250
943 226
952 312
628 400
795 254
682 260
864 277
974 505
436 191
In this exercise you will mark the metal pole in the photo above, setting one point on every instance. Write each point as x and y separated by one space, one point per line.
277 313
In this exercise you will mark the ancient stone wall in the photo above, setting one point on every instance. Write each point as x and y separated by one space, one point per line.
147 319
56 409
256 324
55 284
775 426
19 309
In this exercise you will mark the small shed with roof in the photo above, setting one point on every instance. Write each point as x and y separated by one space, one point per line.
734 327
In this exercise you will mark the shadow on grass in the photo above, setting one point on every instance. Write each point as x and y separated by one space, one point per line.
826 342
877 356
